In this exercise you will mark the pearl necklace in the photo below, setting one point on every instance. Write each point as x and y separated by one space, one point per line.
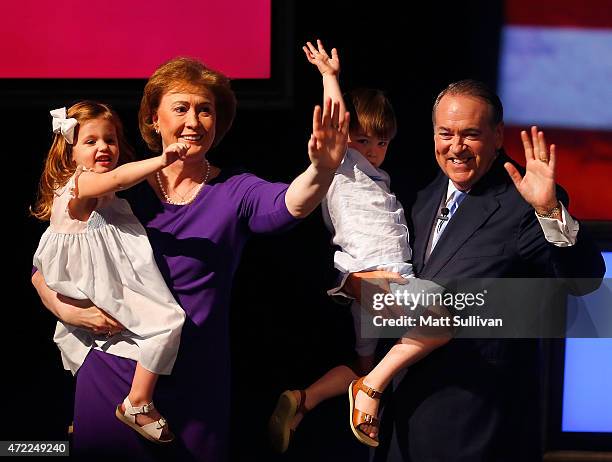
193 196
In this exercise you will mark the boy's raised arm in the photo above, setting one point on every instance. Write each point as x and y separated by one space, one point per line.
329 67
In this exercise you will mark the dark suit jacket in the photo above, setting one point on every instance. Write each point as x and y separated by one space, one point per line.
477 399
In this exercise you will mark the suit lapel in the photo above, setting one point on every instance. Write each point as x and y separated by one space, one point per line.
471 214
425 215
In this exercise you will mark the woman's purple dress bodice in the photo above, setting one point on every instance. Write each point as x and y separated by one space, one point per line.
197 248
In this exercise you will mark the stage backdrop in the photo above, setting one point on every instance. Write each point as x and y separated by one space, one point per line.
555 71
119 39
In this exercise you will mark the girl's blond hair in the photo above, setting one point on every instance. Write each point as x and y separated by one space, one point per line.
59 166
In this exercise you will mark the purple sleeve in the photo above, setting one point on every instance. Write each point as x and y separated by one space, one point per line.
263 206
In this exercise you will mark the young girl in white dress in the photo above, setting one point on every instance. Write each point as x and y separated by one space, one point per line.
96 249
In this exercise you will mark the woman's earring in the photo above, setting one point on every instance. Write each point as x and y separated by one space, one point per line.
156 129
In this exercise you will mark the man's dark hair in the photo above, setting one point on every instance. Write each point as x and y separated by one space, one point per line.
477 89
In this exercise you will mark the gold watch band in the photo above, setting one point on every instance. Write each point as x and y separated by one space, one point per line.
556 210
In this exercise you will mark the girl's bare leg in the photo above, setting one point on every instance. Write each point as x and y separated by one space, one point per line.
141 393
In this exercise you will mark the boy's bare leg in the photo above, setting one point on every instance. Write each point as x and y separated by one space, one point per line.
407 351
333 383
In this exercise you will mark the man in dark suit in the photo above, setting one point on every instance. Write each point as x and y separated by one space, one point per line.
477 399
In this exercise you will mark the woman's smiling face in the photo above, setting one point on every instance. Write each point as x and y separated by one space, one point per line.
189 117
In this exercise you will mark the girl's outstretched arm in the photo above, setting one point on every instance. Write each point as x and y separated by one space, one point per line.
91 185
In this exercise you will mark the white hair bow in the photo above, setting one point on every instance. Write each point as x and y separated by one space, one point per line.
63 125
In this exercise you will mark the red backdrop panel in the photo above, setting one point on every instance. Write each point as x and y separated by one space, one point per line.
584 166
129 39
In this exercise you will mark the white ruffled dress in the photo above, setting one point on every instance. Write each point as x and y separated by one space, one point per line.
108 260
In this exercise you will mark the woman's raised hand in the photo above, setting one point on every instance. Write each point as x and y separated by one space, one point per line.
328 141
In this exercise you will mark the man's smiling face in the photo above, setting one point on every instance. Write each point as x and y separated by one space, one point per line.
466 140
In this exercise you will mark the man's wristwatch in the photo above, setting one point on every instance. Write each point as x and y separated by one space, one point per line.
552 213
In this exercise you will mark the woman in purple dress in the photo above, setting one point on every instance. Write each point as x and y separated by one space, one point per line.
198 219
